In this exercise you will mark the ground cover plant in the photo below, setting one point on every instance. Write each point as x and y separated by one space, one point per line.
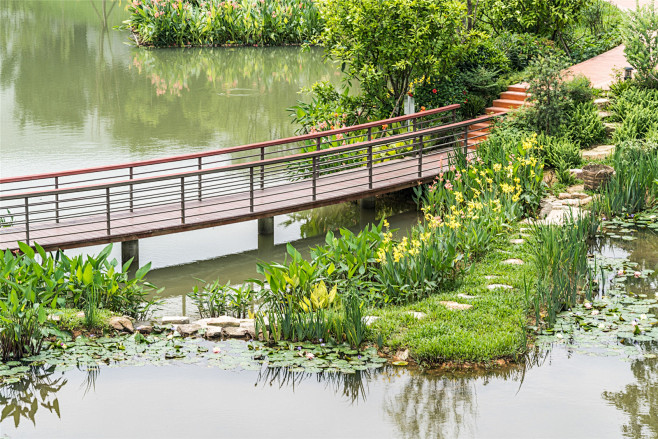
34 284
166 23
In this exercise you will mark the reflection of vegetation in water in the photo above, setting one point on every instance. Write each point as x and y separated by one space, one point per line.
351 386
639 400
67 70
22 399
319 221
437 406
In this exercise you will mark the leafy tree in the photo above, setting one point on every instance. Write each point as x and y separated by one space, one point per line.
548 93
640 35
384 44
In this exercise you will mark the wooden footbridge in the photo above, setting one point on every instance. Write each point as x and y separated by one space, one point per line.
136 200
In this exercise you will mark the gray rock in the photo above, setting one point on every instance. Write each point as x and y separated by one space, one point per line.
402 355
610 128
144 329
517 241
455 306
175 320
369 320
234 332
602 103
213 332
121 324
513 261
417 315
599 153
466 296
250 327
490 276
499 286
224 322
189 329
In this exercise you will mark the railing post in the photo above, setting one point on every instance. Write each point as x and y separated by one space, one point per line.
251 189
182 200
107 209
199 167
370 158
420 157
466 140
454 115
27 221
57 201
131 188
262 168
314 172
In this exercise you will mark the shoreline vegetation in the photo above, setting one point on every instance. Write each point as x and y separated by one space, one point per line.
468 284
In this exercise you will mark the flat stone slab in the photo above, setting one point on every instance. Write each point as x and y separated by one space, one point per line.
576 188
599 152
466 296
499 286
513 261
189 329
369 320
213 332
233 332
224 322
455 306
517 241
417 315
144 329
175 320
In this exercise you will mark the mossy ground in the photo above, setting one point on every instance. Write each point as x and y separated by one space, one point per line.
494 328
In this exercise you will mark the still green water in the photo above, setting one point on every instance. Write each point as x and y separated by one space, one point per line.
72 95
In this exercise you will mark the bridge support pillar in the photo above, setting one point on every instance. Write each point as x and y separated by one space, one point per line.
368 212
130 249
367 203
266 226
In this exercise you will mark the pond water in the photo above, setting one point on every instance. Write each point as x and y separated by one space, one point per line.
564 392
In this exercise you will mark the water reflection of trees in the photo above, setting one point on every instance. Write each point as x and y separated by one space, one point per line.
68 68
21 400
440 404
353 387
639 400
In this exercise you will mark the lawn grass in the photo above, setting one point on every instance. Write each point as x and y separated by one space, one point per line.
494 328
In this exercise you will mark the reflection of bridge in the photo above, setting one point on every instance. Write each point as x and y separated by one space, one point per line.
136 200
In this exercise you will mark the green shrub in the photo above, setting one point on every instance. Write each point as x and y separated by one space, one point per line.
640 35
579 89
548 94
560 152
585 126
522 48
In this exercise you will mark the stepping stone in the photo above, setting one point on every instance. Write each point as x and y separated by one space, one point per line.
466 296
233 332
417 315
490 276
517 241
186 330
455 306
369 320
175 320
213 332
576 188
513 262
224 322
598 153
501 286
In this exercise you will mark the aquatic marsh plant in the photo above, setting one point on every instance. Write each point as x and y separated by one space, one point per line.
560 257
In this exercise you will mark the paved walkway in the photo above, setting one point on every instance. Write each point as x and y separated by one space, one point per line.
601 69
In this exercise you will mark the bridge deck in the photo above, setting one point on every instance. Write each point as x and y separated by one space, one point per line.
120 210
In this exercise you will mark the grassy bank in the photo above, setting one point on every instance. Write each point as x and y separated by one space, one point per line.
495 327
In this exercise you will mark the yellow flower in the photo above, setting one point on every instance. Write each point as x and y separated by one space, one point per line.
497 167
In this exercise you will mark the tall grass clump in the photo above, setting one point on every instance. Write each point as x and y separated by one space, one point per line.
165 23
631 190
560 258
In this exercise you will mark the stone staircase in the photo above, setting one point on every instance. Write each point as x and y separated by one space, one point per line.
513 98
